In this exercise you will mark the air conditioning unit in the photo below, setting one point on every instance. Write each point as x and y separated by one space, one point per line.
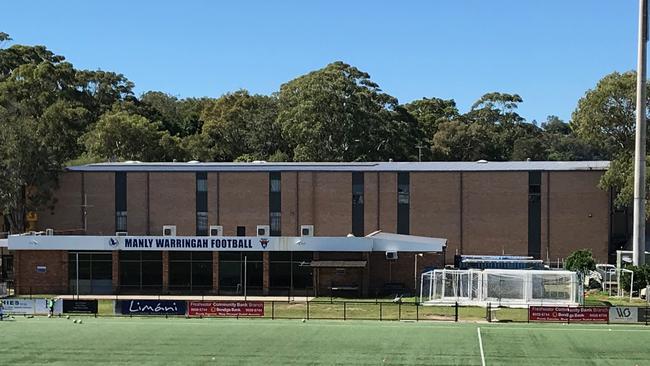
306 230
49 231
263 230
169 230
121 233
216 230
391 255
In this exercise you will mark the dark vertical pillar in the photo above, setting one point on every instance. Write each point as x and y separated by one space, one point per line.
534 214
275 203
357 204
403 203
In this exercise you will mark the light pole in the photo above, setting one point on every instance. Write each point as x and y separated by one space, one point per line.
638 231
415 273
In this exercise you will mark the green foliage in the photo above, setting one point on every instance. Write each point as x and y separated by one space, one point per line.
605 116
580 261
238 124
119 135
338 114
641 277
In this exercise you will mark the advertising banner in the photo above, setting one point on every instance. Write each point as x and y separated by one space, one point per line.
80 306
152 307
29 306
568 314
620 314
226 308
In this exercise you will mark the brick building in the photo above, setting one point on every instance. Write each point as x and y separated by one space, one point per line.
542 209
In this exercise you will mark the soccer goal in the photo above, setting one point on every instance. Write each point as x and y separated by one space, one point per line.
500 287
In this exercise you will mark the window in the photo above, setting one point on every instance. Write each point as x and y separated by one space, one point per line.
201 182
140 271
357 204
202 223
403 203
190 271
95 272
275 182
275 203
201 203
275 223
120 221
231 271
535 214
287 268
120 201
241 230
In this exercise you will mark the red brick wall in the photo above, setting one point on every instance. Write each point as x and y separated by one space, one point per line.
579 213
172 202
53 281
100 189
136 203
243 201
67 214
435 207
333 202
495 213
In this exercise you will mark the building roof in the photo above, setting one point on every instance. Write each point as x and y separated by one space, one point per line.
479 166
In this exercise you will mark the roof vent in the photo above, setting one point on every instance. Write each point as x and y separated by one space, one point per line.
193 162
482 161
259 161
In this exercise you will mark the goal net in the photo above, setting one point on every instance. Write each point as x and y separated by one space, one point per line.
500 287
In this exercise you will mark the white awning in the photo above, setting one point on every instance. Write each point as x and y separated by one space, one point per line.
376 242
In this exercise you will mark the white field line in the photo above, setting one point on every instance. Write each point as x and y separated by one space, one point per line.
480 344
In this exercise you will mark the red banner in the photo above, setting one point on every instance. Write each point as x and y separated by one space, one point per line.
226 308
567 314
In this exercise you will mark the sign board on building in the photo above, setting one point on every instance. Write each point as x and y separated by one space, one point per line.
226 308
152 307
80 306
41 269
568 314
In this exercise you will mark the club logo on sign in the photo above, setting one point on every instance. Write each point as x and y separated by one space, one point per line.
264 242
113 242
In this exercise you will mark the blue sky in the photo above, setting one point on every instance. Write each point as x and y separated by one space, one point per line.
550 52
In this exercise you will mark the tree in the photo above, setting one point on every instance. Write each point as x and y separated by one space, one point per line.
430 113
581 261
119 135
180 117
605 116
242 125
339 114
41 118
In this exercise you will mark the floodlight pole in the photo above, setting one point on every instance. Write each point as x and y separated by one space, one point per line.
638 232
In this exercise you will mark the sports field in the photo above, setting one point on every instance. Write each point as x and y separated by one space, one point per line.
292 342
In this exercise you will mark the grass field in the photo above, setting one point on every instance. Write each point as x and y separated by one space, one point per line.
146 341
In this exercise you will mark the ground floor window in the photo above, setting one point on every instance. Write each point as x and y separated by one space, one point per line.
140 271
234 266
93 272
290 270
190 271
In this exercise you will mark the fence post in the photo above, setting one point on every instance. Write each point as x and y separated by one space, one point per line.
380 310
344 310
528 315
417 312
488 316
456 313
399 311
307 309
272 310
